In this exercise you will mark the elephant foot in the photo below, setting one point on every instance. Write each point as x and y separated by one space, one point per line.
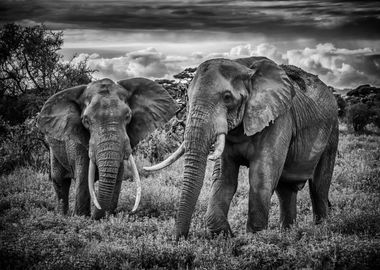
225 233
256 223
82 208
98 214
318 219
217 226
63 207
255 229
286 225
85 213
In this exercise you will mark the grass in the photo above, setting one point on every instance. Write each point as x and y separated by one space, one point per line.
34 236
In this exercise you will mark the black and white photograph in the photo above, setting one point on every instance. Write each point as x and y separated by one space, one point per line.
179 134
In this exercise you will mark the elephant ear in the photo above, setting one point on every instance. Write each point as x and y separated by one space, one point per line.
60 117
270 94
151 107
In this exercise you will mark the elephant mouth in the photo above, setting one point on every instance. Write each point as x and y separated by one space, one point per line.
218 146
216 150
130 162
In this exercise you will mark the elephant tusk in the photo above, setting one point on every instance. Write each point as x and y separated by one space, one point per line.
219 147
91 184
136 177
170 160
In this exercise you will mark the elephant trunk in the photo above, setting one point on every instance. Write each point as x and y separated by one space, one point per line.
108 175
198 138
108 157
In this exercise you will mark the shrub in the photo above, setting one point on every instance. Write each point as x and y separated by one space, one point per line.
341 105
358 115
161 142
376 117
31 69
22 145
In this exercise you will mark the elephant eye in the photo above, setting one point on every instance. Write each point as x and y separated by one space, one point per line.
128 114
86 121
227 97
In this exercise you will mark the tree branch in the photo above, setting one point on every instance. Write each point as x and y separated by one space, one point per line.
29 73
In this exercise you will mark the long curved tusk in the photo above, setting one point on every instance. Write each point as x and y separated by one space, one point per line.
219 147
91 177
170 160
136 177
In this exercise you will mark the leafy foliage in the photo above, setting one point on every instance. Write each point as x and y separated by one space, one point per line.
166 139
31 70
359 116
363 107
161 142
22 145
341 105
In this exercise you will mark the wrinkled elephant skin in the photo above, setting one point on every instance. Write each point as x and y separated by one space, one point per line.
91 130
279 121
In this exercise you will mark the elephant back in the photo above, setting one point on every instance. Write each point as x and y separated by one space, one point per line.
308 83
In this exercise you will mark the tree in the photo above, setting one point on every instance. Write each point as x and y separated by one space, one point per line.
363 107
178 91
31 69
358 115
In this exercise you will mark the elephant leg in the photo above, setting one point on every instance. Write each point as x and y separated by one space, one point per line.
260 193
61 183
82 193
319 185
268 154
222 191
287 195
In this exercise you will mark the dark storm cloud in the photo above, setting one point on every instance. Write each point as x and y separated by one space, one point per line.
338 40
325 18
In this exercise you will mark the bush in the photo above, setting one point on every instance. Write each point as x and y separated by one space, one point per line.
376 117
22 145
358 115
161 142
341 105
31 70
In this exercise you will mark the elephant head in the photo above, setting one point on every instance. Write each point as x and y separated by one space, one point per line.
225 95
108 119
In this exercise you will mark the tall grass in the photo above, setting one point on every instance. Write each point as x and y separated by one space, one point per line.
34 235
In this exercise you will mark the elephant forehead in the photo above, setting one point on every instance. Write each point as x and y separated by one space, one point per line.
104 92
102 83
211 81
219 74
106 102
104 106
103 87
227 68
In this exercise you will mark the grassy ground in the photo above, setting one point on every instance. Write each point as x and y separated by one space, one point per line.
33 235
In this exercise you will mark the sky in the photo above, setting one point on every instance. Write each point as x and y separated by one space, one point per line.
337 40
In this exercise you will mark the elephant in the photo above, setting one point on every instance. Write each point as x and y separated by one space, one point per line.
278 120
91 131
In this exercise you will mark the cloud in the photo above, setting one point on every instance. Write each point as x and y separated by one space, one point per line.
246 50
148 63
340 67
283 18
